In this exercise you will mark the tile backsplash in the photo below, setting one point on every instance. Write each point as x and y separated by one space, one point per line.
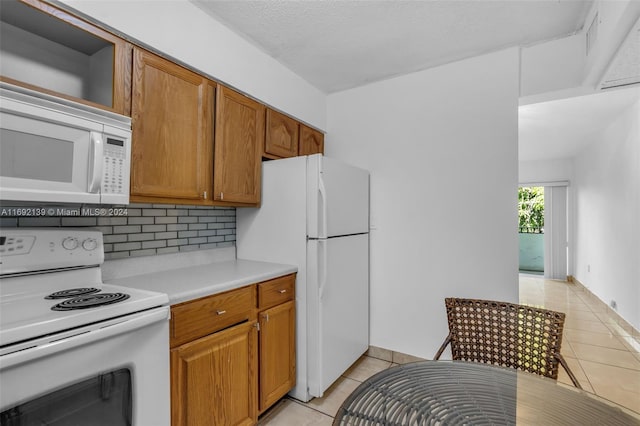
148 229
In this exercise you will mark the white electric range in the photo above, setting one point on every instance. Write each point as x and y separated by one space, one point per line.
65 336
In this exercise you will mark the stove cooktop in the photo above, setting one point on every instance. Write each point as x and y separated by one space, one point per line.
26 316
52 282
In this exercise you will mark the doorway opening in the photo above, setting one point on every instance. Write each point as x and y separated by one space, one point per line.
531 229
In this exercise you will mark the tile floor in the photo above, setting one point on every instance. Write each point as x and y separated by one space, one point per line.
604 356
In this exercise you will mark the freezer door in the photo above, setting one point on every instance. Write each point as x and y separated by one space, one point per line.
338 307
338 198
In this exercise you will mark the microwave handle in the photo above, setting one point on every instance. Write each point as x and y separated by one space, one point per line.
96 154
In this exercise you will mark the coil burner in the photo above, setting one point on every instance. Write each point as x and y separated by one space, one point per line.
90 301
72 292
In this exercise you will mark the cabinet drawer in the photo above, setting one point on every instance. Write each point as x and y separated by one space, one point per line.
276 291
195 319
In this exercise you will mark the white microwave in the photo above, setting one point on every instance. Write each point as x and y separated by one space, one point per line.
55 150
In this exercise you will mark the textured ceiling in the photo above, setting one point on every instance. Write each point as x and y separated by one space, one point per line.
336 45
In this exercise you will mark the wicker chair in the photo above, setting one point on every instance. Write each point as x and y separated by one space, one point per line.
506 334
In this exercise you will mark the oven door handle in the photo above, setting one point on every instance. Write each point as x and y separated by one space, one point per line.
86 335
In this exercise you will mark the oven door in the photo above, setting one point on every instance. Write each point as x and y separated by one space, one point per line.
107 374
48 155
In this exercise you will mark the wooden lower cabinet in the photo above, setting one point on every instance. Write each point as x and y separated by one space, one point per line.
214 379
232 354
277 353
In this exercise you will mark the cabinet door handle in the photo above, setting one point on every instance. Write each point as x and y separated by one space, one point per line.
220 312
282 291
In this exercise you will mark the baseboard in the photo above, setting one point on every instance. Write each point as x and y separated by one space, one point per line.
614 314
391 356
402 358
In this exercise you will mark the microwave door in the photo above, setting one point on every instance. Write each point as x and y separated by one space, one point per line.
45 161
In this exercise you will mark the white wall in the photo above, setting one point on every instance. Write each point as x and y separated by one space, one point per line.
541 171
554 65
441 146
181 30
607 197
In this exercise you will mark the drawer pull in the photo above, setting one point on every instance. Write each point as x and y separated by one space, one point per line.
282 291
220 312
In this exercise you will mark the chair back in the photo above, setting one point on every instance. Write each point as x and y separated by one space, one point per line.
506 334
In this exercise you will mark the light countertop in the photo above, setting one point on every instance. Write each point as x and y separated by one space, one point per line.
182 284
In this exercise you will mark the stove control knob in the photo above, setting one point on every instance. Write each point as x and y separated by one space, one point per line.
90 244
70 243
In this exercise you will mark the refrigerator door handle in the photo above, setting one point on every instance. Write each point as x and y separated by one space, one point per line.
322 208
322 268
322 282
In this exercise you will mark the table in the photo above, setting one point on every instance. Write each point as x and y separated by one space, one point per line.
465 393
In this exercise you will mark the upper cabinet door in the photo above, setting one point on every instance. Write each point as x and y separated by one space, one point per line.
282 135
172 120
49 50
239 137
311 141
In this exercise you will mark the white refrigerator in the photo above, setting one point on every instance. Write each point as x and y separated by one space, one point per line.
315 214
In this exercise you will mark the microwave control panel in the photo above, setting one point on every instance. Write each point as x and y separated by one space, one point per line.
114 166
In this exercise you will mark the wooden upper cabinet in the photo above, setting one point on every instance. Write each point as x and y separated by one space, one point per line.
172 114
281 139
239 138
49 50
311 141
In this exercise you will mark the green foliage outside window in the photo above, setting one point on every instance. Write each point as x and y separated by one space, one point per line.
531 209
